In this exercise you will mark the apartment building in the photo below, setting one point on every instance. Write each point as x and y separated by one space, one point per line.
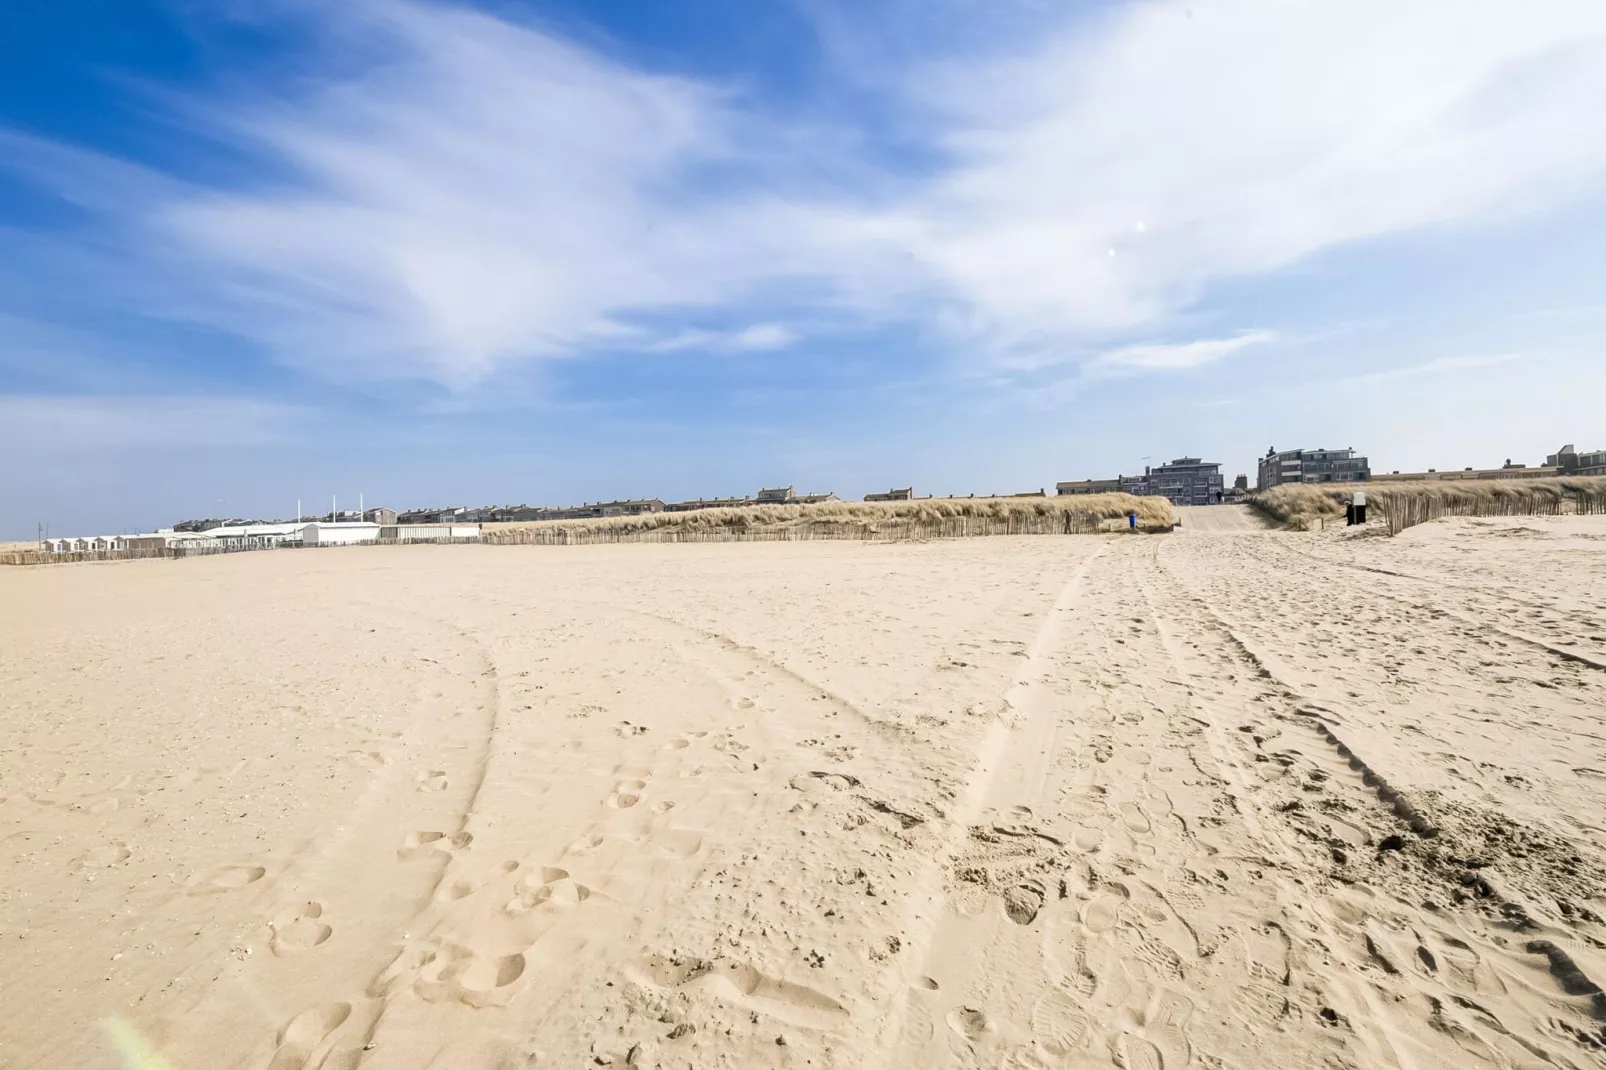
1185 481
1311 466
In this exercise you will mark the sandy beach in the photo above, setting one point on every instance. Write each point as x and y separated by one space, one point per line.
1228 797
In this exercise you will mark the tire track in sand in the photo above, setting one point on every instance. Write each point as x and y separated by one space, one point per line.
1011 763
335 909
1390 1012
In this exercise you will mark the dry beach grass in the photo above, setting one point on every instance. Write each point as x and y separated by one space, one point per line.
1303 506
1220 798
929 517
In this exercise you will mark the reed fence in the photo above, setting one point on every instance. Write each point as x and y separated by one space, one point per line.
1405 505
880 531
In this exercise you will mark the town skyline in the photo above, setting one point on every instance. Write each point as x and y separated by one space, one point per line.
257 250
1229 483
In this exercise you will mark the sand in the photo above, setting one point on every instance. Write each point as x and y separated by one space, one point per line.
1230 798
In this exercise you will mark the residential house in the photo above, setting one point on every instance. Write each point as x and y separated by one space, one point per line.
706 503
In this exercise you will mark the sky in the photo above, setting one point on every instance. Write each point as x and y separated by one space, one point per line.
553 251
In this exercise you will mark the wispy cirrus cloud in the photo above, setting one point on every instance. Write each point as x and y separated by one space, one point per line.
1441 365
756 338
462 193
1175 356
1125 164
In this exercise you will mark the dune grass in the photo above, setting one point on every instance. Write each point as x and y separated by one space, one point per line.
1303 506
927 518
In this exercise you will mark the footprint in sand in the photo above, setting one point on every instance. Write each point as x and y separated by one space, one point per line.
1064 941
1140 1054
968 1022
1058 1023
1133 817
1168 1027
742 985
550 887
226 878
679 843
818 781
1267 947
465 975
368 759
419 844
1087 838
1103 914
626 794
458 889
587 843
432 780
298 928
1022 902
300 1040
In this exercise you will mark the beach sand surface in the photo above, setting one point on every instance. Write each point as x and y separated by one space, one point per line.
1220 798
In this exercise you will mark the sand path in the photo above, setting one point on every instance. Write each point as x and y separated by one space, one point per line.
1224 798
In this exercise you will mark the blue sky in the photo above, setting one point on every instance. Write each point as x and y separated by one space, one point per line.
259 250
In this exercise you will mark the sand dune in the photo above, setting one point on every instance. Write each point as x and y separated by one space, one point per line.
1215 799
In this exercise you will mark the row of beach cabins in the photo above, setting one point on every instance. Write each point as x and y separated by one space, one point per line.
231 538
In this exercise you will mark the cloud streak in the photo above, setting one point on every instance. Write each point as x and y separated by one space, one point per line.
1180 356
1118 173
480 193
757 338
1439 366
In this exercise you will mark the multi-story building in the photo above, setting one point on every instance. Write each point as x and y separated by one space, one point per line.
1311 466
1569 462
1185 481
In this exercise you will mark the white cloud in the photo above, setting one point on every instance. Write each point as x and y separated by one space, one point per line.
1441 364
763 336
1244 135
758 337
1160 357
484 193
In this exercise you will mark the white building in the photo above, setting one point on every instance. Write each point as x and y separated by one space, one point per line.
433 532
323 533
255 536
167 539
